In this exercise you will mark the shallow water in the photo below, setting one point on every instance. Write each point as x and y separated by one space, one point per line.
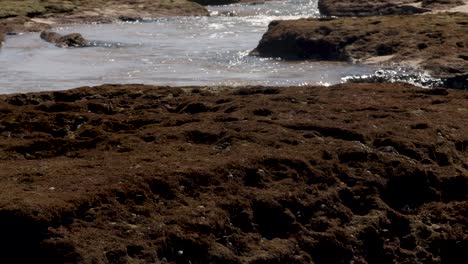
175 51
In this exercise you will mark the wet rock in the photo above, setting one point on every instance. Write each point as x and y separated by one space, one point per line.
131 19
396 38
457 81
74 40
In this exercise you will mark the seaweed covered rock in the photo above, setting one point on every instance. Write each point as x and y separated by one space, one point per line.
437 43
369 8
76 11
364 173
361 8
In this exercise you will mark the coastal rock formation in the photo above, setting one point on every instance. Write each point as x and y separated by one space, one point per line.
77 11
363 173
368 8
36 16
437 43
383 7
74 40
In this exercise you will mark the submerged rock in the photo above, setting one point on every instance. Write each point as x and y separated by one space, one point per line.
436 43
71 40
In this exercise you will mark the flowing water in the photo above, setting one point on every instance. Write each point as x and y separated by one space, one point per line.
174 51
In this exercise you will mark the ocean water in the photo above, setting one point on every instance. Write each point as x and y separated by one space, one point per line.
176 51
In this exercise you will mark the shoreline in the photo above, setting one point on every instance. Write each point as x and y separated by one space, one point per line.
430 42
131 173
47 14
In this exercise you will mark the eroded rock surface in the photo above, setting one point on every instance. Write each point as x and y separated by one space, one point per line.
140 174
382 7
437 43
38 15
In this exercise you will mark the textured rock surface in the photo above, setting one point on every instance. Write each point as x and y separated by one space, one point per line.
97 10
382 7
140 174
35 15
438 43
368 8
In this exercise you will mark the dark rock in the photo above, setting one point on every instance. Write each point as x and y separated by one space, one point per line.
458 82
367 8
71 40
130 19
405 38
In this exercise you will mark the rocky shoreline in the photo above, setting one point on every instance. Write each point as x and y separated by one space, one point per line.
35 15
351 173
388 32
142 174
384 7
437 43
39 15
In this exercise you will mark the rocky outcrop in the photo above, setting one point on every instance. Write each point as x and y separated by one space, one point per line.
354 173
369 8
73 40
74 11
36 16
383 7
437 43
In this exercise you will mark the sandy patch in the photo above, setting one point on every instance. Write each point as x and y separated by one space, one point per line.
378 59
412 63
462 8
43 21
